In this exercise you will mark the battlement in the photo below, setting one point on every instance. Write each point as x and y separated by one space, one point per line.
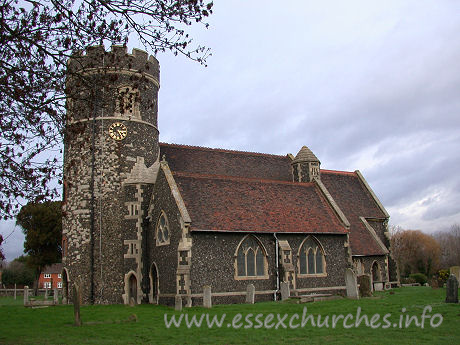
118 58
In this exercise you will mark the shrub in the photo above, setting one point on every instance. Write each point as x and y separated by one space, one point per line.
442 276
419 278
407 280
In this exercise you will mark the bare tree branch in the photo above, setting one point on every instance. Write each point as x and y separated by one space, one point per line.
36 40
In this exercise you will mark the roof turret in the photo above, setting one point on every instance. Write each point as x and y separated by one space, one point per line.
305 155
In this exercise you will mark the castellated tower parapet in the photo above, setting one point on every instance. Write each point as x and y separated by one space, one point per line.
111 156
101 75
118 57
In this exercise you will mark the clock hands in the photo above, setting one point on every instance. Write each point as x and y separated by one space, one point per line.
118 131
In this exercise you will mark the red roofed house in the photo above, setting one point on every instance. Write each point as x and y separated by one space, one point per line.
51 277
146 221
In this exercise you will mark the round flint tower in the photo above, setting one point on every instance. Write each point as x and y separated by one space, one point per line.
110 162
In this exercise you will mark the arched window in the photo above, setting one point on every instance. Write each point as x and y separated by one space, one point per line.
64 246
359 266
376 272
162 232
127 102
311 258
251 260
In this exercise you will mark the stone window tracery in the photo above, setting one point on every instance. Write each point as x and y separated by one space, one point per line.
312 261
127 102
133 209
251 260
162 231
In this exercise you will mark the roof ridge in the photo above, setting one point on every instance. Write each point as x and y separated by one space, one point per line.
205 148
338 172
55 266
239 178
330 208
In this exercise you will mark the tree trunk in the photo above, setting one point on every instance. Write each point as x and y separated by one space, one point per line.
37 277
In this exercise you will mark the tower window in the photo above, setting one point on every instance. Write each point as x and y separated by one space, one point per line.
127 102
64 246
133 209
162 233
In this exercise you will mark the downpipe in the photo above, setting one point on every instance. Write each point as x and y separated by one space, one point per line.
277 267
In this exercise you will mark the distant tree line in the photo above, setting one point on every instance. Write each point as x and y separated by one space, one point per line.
450 246
41 224
423 256
18 272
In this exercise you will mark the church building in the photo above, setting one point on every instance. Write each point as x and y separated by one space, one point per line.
146 221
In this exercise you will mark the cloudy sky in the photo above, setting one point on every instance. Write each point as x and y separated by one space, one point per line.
368 85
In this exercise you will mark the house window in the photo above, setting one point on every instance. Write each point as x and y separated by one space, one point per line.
59 285
251 260
47 285
312 260
47 275
59 276
162 233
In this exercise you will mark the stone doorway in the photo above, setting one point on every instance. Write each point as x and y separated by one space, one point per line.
65 286
132 291
154 284
376 273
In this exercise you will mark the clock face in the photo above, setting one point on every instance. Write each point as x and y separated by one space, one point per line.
118 131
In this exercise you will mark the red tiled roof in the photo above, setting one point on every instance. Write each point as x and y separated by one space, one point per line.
203 160
53 268
248 191
242 204
355 201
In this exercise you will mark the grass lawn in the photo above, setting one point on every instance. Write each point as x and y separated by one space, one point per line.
113 324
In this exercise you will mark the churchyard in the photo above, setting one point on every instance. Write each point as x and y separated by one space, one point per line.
145 324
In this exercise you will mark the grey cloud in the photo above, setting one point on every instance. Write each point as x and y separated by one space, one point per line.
355 83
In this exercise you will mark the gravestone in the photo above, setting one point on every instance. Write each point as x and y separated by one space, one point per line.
55 296
207 301
188 302
352 286
132 302
178 303
46 294
285 291
455 270
26 295
378 286
250 294
452 290
364 282
76 305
